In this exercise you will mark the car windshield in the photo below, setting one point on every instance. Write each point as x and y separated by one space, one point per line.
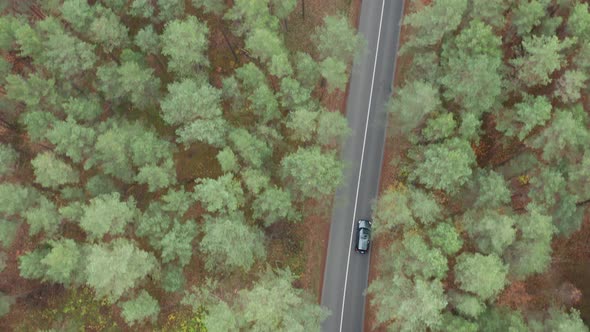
364 234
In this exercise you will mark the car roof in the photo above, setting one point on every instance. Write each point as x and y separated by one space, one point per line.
363 243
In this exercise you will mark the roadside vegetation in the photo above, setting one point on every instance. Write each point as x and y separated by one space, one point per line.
152 151
492 127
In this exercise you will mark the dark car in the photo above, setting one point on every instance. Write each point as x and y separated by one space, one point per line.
363 236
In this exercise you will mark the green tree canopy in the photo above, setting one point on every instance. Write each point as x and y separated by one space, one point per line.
211 131
446 237
563 321
434 21
473 82
566 136
282 8
468 305
492 232
285 307
223 194
413 102
404 305
62 262
107 214
185 42
78 13
549 192
170 9
543 55
153 224
254 151
187 100
100 184
306 70
302 124
416 259
140 308
82 109
482 275
311 173
445 166
157 176
177 243
116 267
71 139
30 266
476 39
251 14
8 159
14 198
210 6
34 91
502 319
107 30
148 40
334 71
52 172
130 81
274 204
570 85
264 103
439 127
219 315
531 112
453 323
230 244
531 253
578 23
8 231
264 44
404 207
172 278
121 145
64 55
141 8
255 180
6 301
332 128
177 201
529 14
490 11
337 39
43 217
227 160
292 94
493 190
393 210
197 109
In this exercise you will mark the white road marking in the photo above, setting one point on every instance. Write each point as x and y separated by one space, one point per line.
361 166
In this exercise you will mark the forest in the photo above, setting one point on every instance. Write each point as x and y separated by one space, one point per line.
487 189
158 157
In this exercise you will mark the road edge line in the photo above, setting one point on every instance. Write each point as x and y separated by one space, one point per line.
361 164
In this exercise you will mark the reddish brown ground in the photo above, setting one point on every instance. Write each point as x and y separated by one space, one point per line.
302 247
314 230
567 279
388 178
565 282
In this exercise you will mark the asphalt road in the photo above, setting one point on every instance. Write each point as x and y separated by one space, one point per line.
346 272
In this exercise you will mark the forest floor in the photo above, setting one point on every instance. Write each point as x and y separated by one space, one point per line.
314 230
564 283
388 176
302 246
